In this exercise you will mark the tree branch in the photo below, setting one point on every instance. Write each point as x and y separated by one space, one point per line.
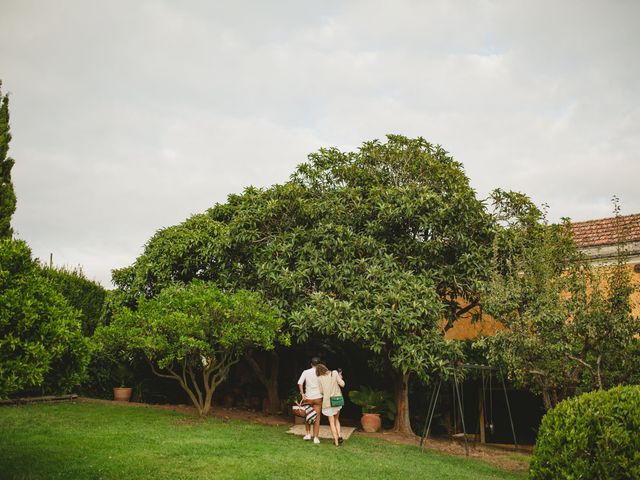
220 373
184 370
195 383
156 372
185 387
472 304
179 378
580 361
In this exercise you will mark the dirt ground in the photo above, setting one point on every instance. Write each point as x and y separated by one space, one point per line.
504 457
217 412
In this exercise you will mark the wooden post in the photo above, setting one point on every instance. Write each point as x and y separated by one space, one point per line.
483 438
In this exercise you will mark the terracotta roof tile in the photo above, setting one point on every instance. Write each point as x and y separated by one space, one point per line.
605 231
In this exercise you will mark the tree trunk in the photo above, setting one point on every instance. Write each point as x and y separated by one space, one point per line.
274 405
266 372
401 392
204 410
550 398
598 374
212 376
546 399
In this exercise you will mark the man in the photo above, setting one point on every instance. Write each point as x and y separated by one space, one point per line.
311 395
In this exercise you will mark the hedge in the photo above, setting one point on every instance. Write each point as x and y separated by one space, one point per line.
592 436
42 349
83 294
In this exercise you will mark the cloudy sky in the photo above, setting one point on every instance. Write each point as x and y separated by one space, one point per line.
128 116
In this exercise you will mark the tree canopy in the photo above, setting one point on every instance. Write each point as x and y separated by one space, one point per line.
569 326
193 334
400 248
401 214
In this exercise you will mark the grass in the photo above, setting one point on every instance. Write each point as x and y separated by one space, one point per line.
98 441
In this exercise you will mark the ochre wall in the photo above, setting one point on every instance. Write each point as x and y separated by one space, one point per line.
467 328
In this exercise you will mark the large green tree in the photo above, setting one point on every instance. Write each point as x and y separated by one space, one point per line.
7 195
400 250
193 334
400 214
569 325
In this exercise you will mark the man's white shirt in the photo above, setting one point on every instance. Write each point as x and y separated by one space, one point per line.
311 385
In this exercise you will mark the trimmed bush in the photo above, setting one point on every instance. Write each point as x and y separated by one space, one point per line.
83 294
42 349
593 436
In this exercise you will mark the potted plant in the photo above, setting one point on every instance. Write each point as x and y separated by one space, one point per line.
123 375
374 403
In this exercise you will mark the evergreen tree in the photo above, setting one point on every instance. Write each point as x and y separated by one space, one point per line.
7 195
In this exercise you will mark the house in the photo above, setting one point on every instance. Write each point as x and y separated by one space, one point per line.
599 240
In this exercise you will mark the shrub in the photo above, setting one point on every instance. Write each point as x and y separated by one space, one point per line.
83 294
593 436
42 348
192 334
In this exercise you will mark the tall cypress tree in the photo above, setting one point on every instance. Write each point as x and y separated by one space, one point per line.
7 195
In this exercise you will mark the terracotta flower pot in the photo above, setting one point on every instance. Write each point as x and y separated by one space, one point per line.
122 394
371 422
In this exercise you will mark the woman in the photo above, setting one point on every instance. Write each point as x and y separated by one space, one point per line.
330 383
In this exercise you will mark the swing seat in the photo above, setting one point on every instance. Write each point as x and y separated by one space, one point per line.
470 436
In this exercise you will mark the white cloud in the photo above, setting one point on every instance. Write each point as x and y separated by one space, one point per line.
128 117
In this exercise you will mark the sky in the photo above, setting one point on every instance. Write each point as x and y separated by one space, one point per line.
129 116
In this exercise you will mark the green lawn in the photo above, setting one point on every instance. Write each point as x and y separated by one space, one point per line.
87 440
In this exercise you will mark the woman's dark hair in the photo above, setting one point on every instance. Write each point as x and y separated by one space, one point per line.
321 370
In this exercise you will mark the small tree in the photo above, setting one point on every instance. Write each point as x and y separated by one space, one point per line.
193 334
568 324
7 195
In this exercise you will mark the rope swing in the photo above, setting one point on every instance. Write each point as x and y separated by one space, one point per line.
458 395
